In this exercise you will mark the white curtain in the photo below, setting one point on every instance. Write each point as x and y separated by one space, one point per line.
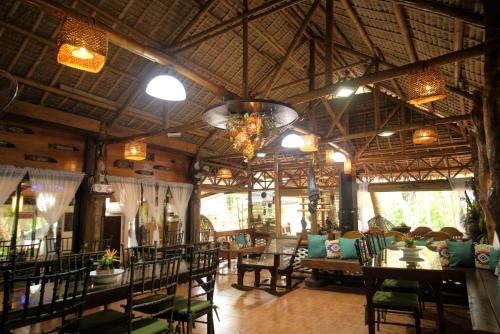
181 193
10 177
128 192
365 208
158 213
155 204
54 190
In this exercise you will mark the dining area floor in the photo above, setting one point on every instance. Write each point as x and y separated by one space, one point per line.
303 310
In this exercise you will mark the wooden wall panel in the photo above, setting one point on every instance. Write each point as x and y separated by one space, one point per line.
37 144
176 165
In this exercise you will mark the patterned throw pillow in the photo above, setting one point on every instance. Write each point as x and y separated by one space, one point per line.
482 255
332 249
442 249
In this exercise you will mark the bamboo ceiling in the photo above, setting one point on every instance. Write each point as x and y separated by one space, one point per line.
361 30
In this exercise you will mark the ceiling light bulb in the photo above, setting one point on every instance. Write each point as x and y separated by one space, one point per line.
261 154
344 92
386 133
292 141
339 157
82 53
166 87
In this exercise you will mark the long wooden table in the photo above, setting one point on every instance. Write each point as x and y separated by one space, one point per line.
387 265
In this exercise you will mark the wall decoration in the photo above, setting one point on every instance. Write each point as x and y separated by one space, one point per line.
61 147
124 164
6 144
150 157
145 172
39 158
15 129
162 168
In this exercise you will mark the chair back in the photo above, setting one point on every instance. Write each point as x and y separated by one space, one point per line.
352 235
363 251
157 277
96 245
205 236
437 236
398 235
4 250
421 231
76 261
453 232
203 266
44 297
140 253
55 245
173 238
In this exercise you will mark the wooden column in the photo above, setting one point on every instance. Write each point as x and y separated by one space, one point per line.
250 203
348 218
194 214
277 196
375 203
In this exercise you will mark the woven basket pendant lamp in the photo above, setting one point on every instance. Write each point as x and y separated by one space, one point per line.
426 135
310 143
426 86
224 173
82 46
135 150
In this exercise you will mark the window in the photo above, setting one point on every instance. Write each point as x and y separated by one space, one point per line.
227 211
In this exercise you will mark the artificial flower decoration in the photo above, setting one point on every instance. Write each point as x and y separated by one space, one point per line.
246 133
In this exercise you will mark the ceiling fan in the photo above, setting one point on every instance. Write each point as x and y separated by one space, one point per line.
8 91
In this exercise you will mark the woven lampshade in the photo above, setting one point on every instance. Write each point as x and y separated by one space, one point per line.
135 150
426 86
425 135
224 173
347 166
82 46
310 143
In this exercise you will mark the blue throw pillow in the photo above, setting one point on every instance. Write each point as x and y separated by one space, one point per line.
390 240
461 253
316 245
347 249
423 242
494 257
240 240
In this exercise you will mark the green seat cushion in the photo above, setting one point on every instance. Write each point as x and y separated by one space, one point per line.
395 299
494 257
390 240
316 245
181 305
461 253
90 323
240 240
348 249
423 242
400 284
147 326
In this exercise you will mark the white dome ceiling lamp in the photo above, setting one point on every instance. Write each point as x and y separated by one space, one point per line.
292 140
166 87
248 121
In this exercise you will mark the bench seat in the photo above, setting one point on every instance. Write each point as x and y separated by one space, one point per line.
483 305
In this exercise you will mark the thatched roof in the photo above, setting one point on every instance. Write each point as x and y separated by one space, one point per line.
28 44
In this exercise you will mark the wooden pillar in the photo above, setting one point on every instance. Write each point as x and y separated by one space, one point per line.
13 239
348 217
193 228
375 203
250 203
277 196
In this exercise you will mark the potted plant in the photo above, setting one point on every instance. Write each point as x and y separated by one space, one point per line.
410 242
106 263
475 222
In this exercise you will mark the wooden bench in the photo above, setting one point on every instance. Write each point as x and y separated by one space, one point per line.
338 265
483 305
255 242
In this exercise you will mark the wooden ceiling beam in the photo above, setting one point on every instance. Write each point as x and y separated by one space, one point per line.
135 47
445 10
371 78
359 27
399 156
405 32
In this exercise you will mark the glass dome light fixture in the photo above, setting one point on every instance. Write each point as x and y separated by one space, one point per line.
166 87
292 140
386 133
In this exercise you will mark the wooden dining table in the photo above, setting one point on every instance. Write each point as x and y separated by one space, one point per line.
387 265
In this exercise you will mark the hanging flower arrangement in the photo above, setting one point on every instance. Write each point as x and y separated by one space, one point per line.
247 132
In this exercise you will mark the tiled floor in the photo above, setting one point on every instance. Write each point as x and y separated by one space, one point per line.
305 311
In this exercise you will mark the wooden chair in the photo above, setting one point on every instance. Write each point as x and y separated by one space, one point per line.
66 291
399 236
437 236
278 258
421 231
453 233
141 253
173 238
389 301
96 245
76 261
24 253
54 246
352 235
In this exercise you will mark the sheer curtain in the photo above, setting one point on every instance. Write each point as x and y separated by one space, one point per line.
54 190
365 208
10 177
128 193
459 186
181 192
150 196
158 213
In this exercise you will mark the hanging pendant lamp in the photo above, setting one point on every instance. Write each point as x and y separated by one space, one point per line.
166 87
82 45
310 143
425 135
224 173
136 151
426 86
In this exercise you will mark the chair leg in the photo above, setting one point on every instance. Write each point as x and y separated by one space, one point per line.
256 283
273 281
416 315
241 275
378 320
210 323
288 282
